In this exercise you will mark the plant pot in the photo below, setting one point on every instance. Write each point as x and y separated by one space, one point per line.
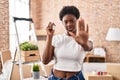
28 56
36 75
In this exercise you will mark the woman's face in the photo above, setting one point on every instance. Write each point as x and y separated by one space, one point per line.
69 21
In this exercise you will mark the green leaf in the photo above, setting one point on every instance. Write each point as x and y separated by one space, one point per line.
26 46
36 67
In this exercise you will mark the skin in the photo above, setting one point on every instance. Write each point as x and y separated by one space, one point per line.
76 29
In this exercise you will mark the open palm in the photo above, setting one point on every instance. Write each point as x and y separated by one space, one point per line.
82 33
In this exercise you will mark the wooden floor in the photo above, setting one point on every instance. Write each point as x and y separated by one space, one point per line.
15 75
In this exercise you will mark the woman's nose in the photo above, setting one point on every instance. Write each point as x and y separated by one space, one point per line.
69 24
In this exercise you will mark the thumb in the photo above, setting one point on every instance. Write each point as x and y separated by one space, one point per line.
72 34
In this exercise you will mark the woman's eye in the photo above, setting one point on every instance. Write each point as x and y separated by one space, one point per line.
65 22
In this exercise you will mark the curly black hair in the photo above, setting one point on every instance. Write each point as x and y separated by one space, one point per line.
69 10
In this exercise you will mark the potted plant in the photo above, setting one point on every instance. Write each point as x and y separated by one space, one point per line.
29 52
36 71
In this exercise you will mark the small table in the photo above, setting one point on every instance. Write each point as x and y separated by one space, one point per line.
94 58
90 76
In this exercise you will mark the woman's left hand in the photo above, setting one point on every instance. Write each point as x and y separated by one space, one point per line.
82 33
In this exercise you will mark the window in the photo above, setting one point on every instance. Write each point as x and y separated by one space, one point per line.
18 8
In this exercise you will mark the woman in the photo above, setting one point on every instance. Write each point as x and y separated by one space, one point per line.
68 49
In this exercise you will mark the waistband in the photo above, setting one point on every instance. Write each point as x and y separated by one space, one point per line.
77 76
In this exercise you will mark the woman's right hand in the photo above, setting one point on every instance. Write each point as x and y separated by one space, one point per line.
49 29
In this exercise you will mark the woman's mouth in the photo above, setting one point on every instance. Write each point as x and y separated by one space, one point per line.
70 29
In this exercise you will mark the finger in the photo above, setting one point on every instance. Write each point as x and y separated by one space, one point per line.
82 24
72 34
79 24
87 28
81 19
78 27
53 26
50 25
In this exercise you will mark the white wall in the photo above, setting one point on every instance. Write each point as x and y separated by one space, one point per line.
18 8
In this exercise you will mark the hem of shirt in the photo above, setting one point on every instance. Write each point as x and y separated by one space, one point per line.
69 70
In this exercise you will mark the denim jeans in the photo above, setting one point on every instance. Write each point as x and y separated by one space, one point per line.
77 76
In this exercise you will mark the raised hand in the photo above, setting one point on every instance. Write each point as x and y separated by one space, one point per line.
49 29
82 34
